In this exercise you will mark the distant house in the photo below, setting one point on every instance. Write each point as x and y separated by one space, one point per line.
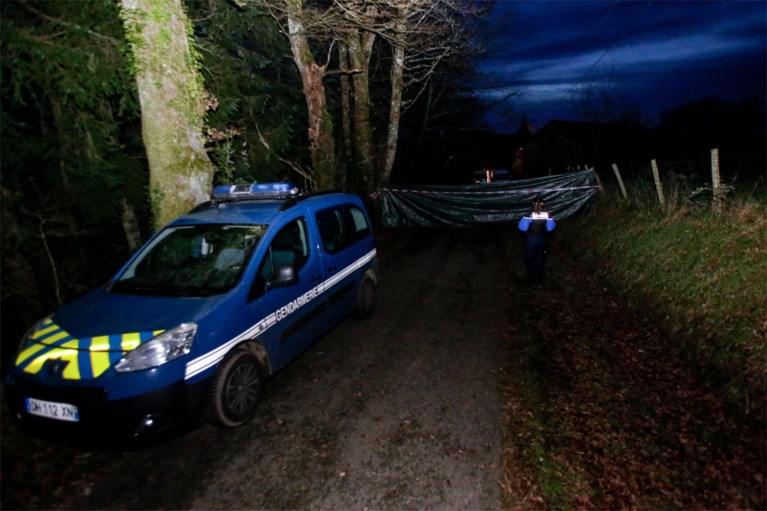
561 146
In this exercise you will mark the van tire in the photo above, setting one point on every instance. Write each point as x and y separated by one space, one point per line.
366 297
236 390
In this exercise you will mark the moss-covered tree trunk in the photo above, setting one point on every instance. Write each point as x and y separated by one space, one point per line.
344 153
360 47
173 105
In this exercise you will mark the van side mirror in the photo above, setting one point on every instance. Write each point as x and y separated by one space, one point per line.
284 276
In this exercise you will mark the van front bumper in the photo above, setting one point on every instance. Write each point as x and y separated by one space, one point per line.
108 424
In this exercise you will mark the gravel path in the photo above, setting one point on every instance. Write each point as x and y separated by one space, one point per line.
400 411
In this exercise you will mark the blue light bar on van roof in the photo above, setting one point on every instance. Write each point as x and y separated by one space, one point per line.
255 191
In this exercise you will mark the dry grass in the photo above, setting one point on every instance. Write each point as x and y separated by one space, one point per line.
701 274
601 410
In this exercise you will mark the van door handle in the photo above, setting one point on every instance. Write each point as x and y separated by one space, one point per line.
316 278
332 267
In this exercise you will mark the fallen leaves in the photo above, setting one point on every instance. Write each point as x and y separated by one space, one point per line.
611 405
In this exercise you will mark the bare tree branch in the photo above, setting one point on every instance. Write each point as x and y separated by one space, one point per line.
68 24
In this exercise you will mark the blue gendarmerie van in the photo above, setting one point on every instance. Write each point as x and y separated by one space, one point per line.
188 329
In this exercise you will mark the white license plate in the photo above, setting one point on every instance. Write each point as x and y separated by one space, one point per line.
52 410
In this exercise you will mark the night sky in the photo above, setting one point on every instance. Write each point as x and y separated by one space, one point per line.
649 56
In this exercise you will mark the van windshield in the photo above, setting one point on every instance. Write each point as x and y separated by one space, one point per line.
191 260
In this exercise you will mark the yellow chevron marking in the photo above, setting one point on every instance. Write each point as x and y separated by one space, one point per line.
130 341
98 347
99 362
100 343
56 337
72 369
44 330
28 352
70 350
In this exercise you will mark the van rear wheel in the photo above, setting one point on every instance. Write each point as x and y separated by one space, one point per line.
236 390
366 297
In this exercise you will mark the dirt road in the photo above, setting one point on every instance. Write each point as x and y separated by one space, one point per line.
399 411
466 390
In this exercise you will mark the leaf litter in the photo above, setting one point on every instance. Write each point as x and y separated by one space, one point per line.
603 412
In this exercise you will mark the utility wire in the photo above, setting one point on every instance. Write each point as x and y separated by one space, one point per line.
591 68
594 65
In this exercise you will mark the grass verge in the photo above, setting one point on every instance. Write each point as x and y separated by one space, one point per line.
622 389
701 275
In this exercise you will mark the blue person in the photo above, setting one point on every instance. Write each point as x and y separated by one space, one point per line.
536 227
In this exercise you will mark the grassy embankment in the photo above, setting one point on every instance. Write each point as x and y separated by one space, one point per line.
600 412
701 275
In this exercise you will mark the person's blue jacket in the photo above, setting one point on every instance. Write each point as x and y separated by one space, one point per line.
525 223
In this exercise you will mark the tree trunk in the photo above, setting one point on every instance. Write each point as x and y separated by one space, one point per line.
130 225
395 106
320 131
346 113
360 49
426 114
173 105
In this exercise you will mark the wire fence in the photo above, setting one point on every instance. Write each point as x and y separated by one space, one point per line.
691 183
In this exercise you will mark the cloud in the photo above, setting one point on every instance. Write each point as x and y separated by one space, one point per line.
655 52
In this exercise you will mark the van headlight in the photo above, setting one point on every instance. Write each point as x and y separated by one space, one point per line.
167 346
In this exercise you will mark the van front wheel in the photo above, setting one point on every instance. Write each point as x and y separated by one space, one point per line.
236 390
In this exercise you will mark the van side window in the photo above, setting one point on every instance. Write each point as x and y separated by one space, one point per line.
333 229
289 246
340 226
359 222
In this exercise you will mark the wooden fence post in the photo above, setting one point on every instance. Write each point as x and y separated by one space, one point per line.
599 181
658 186
716 180
620 181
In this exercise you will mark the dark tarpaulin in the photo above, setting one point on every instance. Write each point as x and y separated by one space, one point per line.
564 195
